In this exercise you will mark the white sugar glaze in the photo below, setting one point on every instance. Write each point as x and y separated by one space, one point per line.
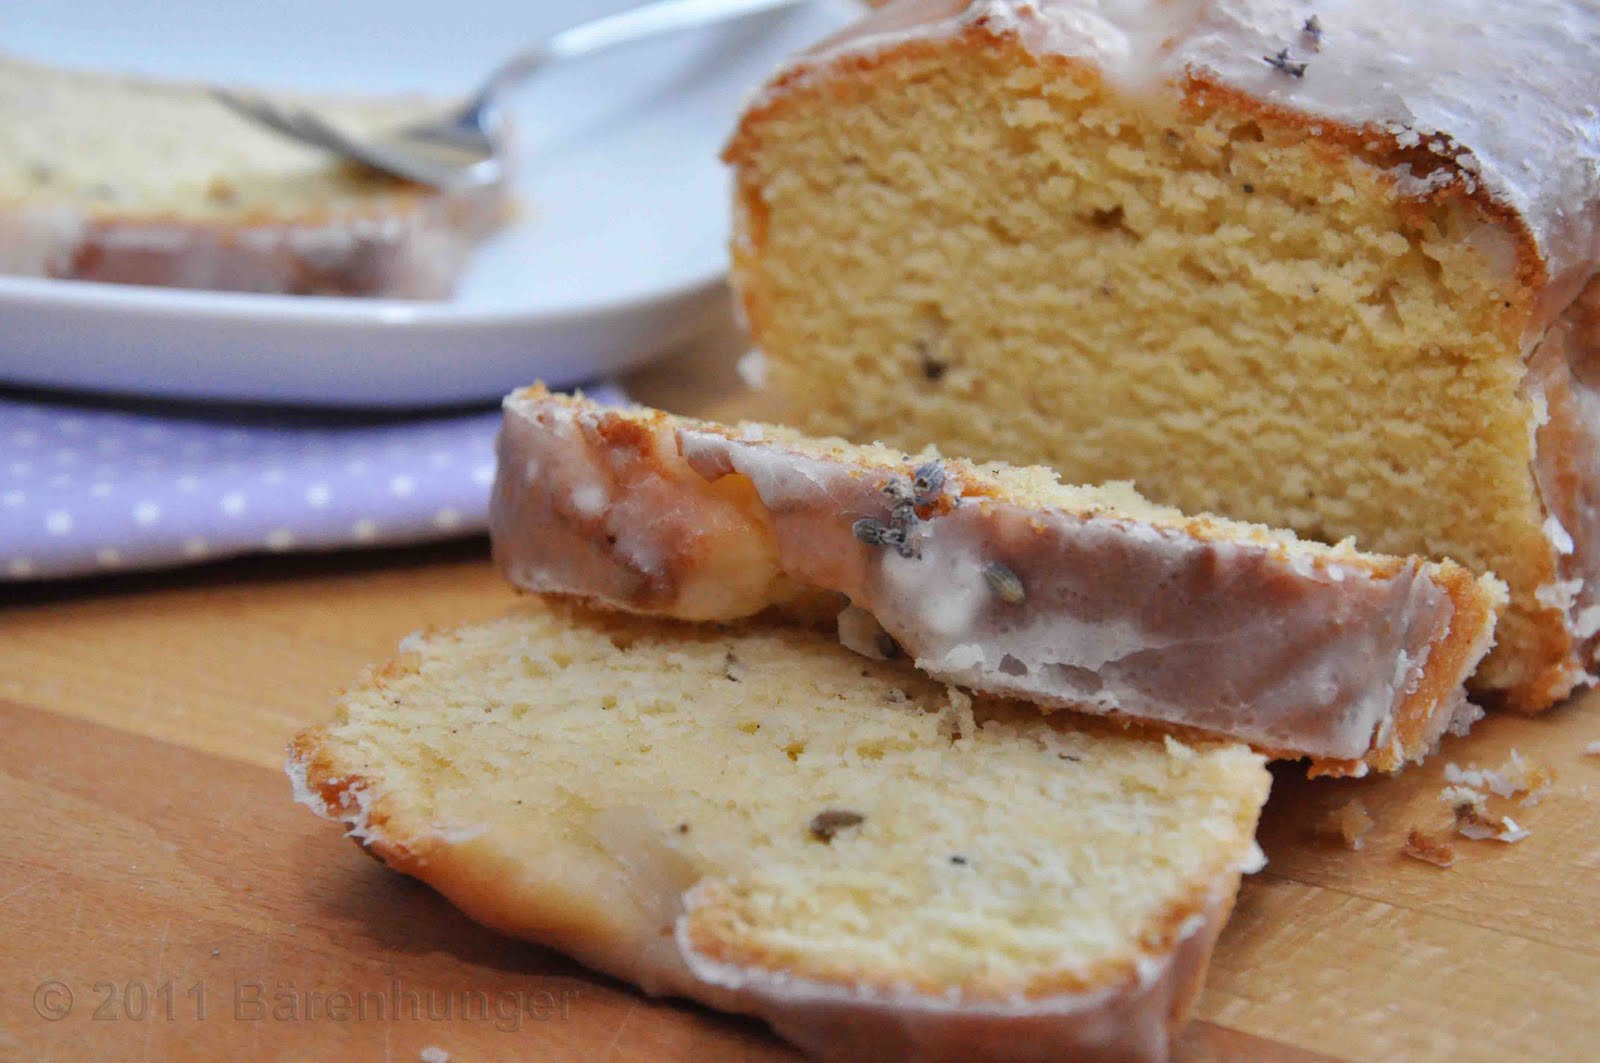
1119 616
1564 382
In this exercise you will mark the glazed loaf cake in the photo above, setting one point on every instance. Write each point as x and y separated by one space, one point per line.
1326 266
998 578
137 181
760 820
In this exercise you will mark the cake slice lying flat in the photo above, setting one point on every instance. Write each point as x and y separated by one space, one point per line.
758 819
139 181
999 578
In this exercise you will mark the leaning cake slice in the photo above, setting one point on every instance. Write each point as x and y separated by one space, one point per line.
758 819
997 578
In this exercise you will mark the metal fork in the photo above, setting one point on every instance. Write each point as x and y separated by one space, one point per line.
462 148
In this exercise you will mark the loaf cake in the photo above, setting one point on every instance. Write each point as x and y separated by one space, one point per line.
1330 266
137 181
755 818
997 578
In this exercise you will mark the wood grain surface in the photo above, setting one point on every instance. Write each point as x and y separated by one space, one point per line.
162 898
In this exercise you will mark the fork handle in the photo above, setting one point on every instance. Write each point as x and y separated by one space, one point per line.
634 24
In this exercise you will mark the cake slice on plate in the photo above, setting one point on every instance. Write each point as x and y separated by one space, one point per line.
139 181
1330 266
754 817
1000 579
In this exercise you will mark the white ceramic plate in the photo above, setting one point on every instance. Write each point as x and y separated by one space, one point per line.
620 257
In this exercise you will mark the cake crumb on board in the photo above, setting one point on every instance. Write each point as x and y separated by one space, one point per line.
1519 776
1350 823
1420 845
1474 819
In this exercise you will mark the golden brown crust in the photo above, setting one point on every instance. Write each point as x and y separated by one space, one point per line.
845 75
1382 149
838 76
715 935
1452 656
487 886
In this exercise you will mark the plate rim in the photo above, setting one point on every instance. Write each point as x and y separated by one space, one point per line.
319 310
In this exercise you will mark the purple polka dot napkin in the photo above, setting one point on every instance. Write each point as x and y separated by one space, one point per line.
88 489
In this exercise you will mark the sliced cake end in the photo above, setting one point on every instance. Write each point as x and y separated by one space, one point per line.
754 817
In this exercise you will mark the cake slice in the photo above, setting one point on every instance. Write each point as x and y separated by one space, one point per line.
1330 266
1000 579
756 818
139 181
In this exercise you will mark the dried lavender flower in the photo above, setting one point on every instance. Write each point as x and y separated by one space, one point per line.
899 491
871 531
1005 583
1283 63
874 532
902 543
928 481
1313 30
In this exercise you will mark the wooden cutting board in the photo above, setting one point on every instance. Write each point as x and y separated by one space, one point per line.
162 898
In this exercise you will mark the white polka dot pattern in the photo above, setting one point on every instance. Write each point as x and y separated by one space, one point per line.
86 490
